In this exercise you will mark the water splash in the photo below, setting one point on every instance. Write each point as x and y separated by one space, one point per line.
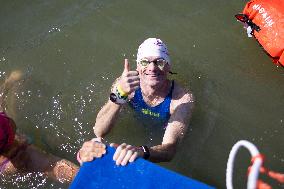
62 115
54 29
35 180
2 74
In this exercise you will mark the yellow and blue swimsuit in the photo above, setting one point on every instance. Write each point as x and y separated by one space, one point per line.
159 113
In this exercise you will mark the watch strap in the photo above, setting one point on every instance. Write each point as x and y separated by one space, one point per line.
117 99
146 152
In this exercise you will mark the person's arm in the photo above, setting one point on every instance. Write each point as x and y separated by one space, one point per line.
25 157
128 82
106 118
175 131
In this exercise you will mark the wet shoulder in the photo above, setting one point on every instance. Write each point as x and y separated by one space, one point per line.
180 96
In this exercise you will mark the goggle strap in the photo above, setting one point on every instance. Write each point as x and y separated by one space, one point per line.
173 73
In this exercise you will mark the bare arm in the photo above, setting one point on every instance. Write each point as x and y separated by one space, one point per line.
176 129
106 118
128 82
25 157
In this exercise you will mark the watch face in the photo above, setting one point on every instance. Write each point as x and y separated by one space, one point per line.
113 97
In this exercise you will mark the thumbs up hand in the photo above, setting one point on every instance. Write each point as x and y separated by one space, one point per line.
129 80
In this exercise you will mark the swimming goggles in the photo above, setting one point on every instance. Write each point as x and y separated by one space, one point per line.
160 62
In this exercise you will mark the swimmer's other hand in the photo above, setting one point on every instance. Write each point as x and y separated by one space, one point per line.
90 150
125 153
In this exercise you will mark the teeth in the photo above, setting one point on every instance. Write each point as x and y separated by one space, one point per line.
152 74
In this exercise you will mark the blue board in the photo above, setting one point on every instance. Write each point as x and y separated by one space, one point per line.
103 173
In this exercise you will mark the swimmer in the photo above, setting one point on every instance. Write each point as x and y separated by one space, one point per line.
152 96
17 155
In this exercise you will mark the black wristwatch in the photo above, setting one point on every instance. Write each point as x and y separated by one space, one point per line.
113 97
146 152
117 99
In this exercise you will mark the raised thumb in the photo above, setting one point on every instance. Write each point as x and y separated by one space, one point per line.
126 66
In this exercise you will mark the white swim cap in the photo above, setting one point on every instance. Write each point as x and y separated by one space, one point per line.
153 47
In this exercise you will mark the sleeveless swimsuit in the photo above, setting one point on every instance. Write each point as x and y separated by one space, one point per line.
159 114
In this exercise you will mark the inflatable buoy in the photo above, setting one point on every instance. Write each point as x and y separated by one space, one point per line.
264 20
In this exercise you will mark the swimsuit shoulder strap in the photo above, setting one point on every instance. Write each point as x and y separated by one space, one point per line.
171 90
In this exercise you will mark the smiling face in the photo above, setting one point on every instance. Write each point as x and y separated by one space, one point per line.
153 74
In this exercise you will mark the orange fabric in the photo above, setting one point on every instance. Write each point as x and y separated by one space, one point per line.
269 16
276 176
262 185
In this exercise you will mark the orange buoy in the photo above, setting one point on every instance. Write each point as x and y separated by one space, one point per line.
264 19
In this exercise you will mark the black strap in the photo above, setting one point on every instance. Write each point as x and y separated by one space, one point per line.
146 152
245 19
